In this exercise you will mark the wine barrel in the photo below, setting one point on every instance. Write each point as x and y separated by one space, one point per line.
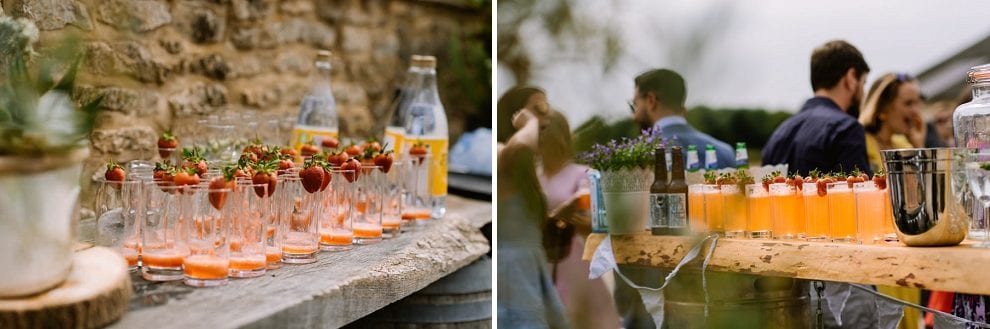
462 299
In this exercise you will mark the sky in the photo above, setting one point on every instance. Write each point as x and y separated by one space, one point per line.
754 54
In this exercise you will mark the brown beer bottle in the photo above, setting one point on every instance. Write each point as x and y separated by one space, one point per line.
677 195
658 195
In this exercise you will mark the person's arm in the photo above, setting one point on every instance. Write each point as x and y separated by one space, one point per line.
527 129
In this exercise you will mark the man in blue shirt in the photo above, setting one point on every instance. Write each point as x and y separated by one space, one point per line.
659 102
825 134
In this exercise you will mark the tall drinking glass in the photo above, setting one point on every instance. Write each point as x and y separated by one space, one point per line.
297 209
869 212
714 209
842 212
418 203
759 225
336 226
208 262
736 213
816 208
247 229
978 175
392 202
369 206
119 213
783 210
163 238
696 208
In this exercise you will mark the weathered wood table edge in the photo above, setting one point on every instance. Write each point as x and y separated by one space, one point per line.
340 288
957 268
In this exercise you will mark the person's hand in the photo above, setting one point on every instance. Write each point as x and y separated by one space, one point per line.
573 212
918 130
522 117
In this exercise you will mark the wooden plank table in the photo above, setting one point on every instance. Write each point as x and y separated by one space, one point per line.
339 288
958 268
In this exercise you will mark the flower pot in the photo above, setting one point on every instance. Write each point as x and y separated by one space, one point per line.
626 194
38 203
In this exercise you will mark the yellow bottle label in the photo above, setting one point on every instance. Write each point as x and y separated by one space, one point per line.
394 137
438 163
304 134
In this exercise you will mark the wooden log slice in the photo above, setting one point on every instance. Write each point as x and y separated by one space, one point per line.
96 293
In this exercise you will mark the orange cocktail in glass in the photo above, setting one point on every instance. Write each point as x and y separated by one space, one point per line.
816 210
735 212
842 212
206 270
869 212
758 199
714 209
783 207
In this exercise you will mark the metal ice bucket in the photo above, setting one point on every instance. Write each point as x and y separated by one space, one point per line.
926 186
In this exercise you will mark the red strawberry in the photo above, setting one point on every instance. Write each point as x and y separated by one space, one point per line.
284 165
822 185
337 159
354 167
779 179
797 181
186 177
312 178
265 174
114 173
329 143
880 179
288 152
166 144
309 150
384 161
353 150
218 198
850 180
194 159
374 146
418 151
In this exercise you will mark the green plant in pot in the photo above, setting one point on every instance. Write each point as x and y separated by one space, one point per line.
43 142
626 167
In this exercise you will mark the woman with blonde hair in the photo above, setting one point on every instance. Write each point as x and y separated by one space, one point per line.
891 115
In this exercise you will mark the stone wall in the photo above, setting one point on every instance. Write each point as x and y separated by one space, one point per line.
158 61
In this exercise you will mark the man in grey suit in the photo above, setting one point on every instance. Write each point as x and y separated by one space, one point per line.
659 103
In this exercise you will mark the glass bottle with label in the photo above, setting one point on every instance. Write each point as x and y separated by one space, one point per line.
711 158
742 157
693 164
426 123
971 124
659 221
318 109
599 224
677 195
395 132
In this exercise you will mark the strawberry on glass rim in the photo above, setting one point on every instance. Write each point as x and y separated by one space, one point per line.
167 143
419 150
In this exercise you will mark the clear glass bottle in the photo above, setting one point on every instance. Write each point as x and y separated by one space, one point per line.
971 125
318 109
742 157
395 132
426 123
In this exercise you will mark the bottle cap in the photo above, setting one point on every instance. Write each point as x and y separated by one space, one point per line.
692 147
709 147
323 56
978 73
424 61
740 145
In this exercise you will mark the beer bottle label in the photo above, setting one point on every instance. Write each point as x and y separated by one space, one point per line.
677 210
658 210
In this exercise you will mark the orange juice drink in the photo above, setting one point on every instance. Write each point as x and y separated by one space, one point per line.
799 219
869 212
391 222
714 209
367 230
696 208
735 212
204 270
273 256
783 207
758 224
298 243
248 263
816 210
415 214
130 255
842 212
167 259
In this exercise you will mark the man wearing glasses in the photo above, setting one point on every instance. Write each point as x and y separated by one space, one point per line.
659 102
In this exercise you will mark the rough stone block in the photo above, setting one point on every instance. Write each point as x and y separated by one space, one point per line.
356 40
200 98
199 22
134 15
172 46
300 30
213 66
261 97
124 140
132 102
129 58
246 67
253 37
252 9
53 14
294 62
351 12
297 7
